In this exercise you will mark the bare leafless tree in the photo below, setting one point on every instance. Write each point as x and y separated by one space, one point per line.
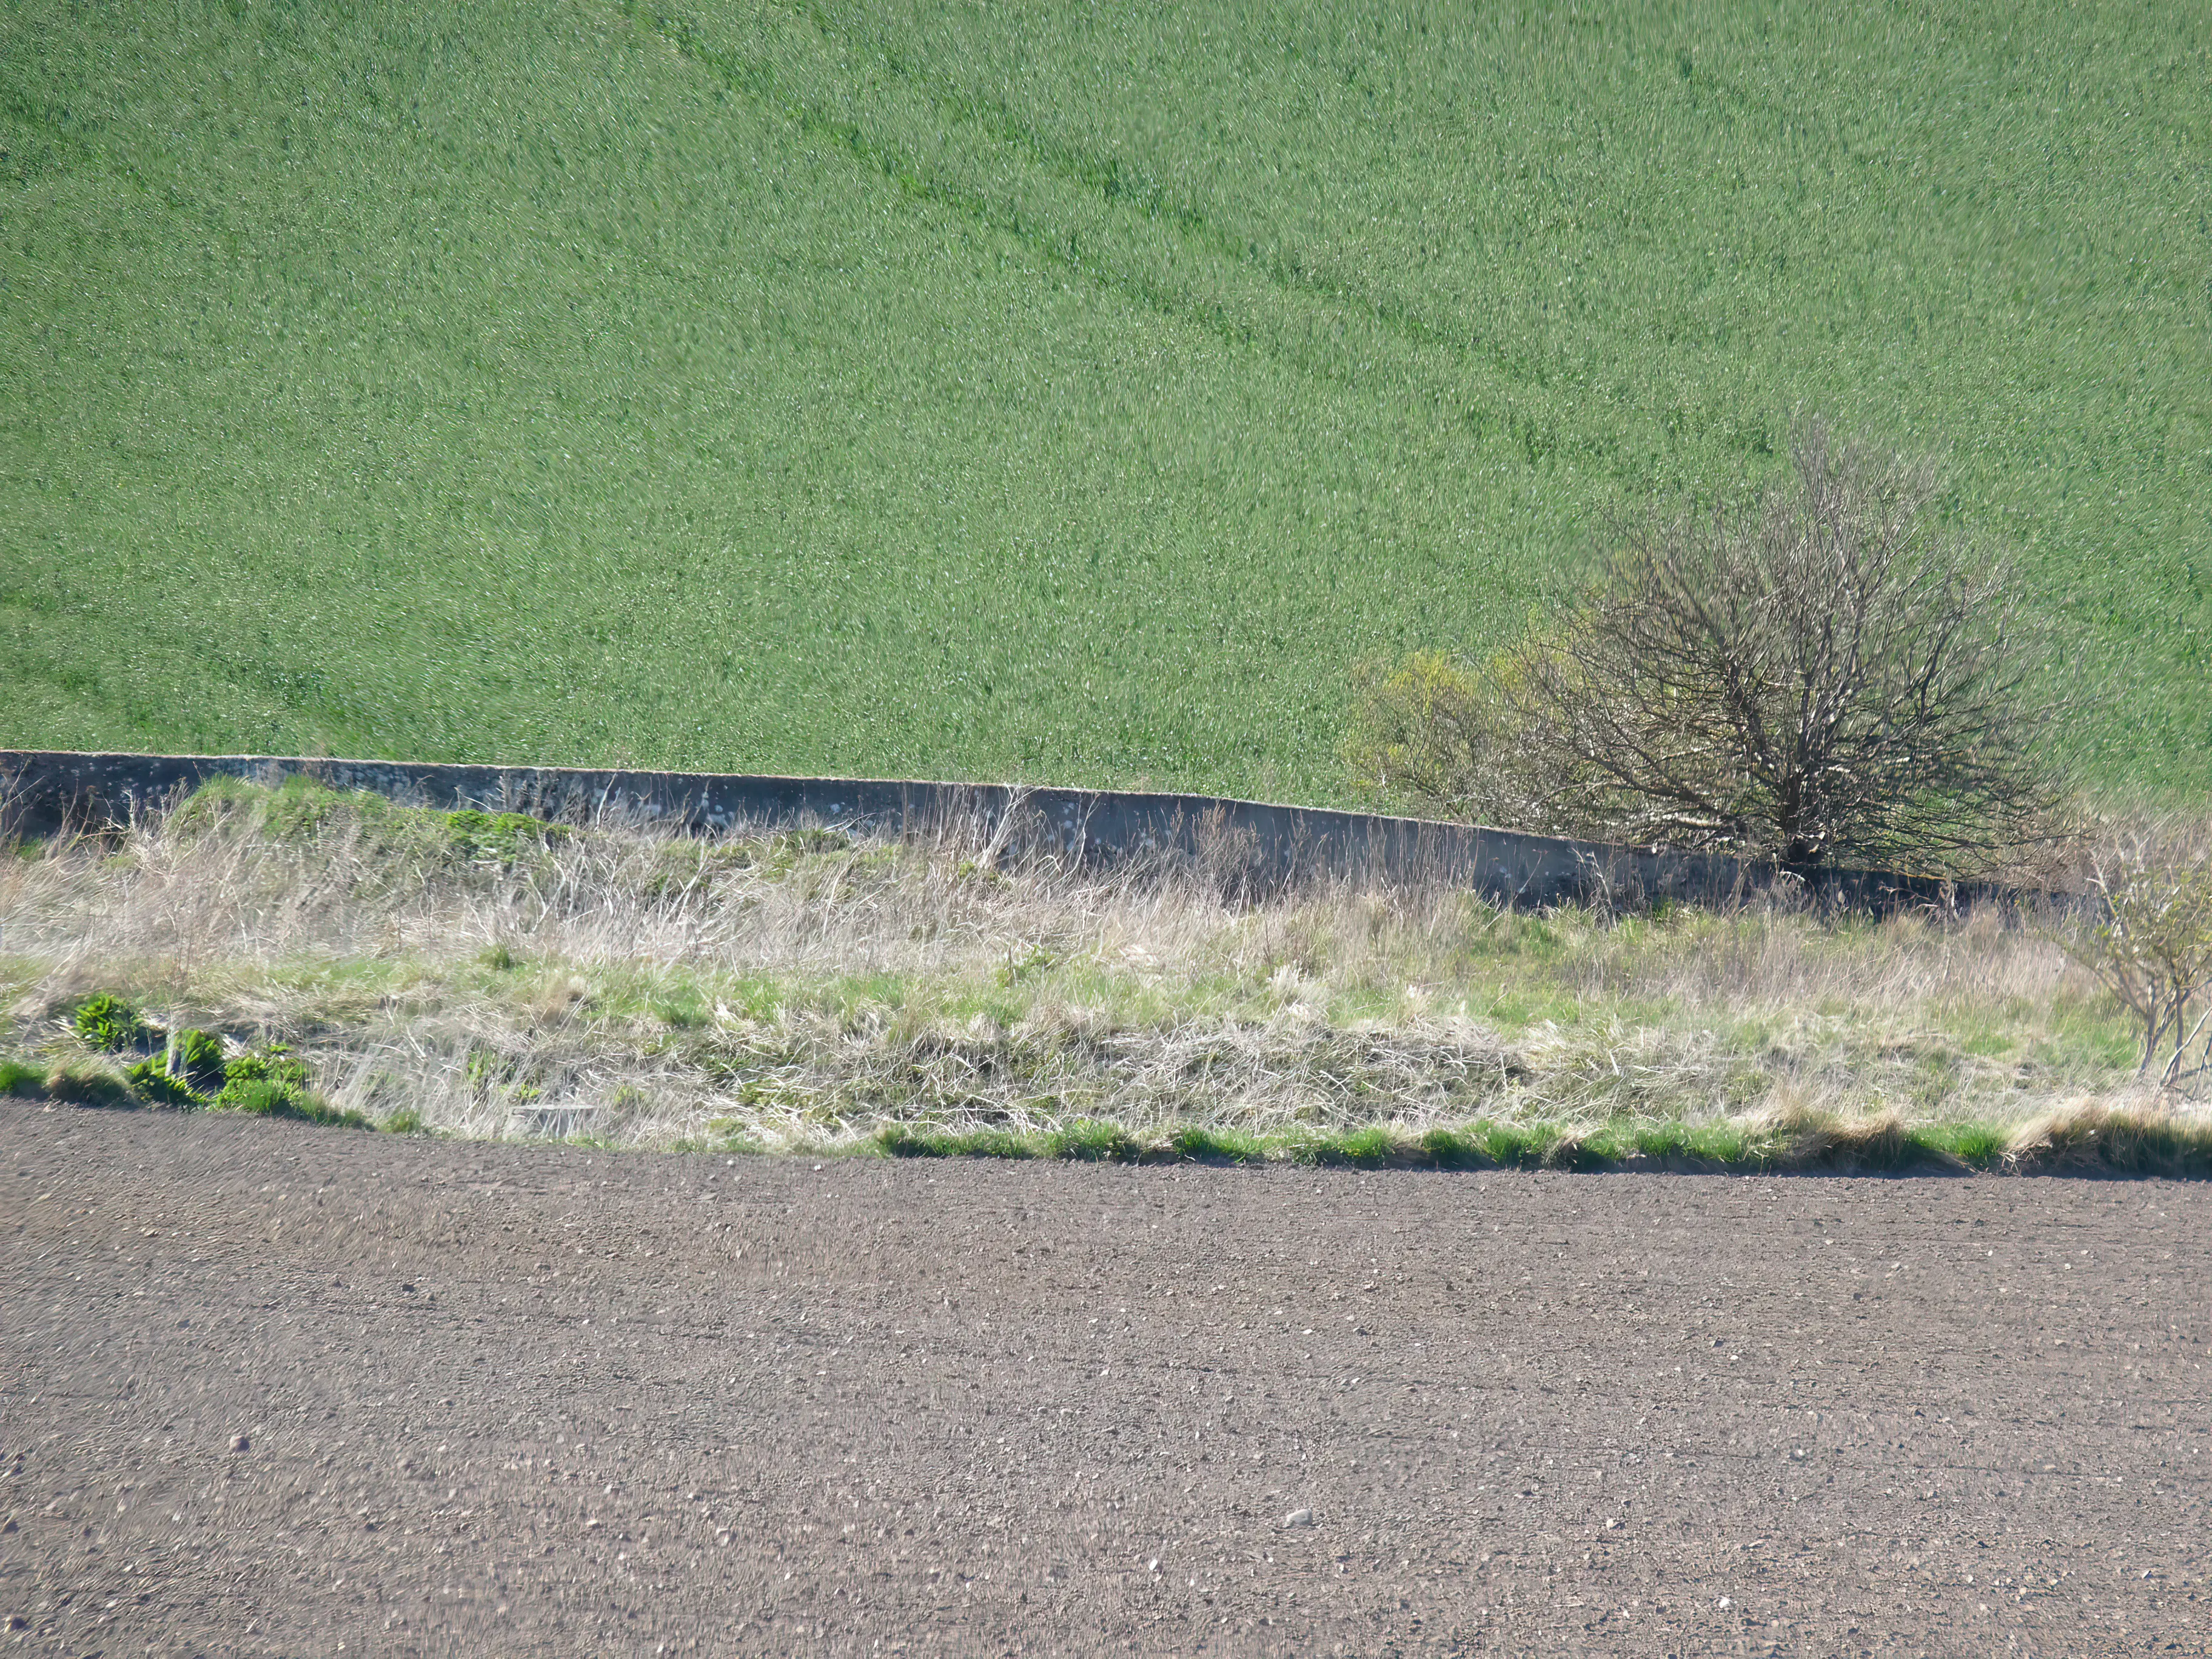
1824 676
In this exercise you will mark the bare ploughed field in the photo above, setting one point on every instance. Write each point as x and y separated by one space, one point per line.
500 1399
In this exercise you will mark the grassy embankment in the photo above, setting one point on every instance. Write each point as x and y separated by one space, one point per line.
495 977
1024 392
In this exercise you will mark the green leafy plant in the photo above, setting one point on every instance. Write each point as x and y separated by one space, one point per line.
197 1058
273 1067
153 1081
109 1023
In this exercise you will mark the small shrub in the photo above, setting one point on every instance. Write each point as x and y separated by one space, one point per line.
1448 737
109 1023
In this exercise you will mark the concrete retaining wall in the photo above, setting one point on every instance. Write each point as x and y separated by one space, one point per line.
44 791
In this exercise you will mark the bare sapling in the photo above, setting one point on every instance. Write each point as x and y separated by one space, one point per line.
2151 944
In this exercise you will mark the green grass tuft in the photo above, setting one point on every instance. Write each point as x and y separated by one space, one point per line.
681 1013
903 1141
1095 1142
1370 1148
267 1097
1724 1144
1199 1145
1980 1145
20 1082
78 1084
1516 1145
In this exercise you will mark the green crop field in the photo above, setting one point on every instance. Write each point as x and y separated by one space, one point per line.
1058 392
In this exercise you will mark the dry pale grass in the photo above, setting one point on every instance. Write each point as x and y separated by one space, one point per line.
778 989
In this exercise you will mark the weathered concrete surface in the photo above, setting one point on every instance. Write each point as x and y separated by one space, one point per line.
1267 843
509 1399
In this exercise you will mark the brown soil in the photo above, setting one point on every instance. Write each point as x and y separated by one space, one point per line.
524 1400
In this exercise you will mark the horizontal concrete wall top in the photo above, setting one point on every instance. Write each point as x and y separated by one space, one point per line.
44 791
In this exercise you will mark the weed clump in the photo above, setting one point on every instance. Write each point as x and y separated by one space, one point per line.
272 1084
1092 1142
1197 1144
256 1077
78 1084
192 1072
20 1082
904 1140
504 839
2123 1140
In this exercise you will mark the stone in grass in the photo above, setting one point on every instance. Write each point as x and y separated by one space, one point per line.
1298 1518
